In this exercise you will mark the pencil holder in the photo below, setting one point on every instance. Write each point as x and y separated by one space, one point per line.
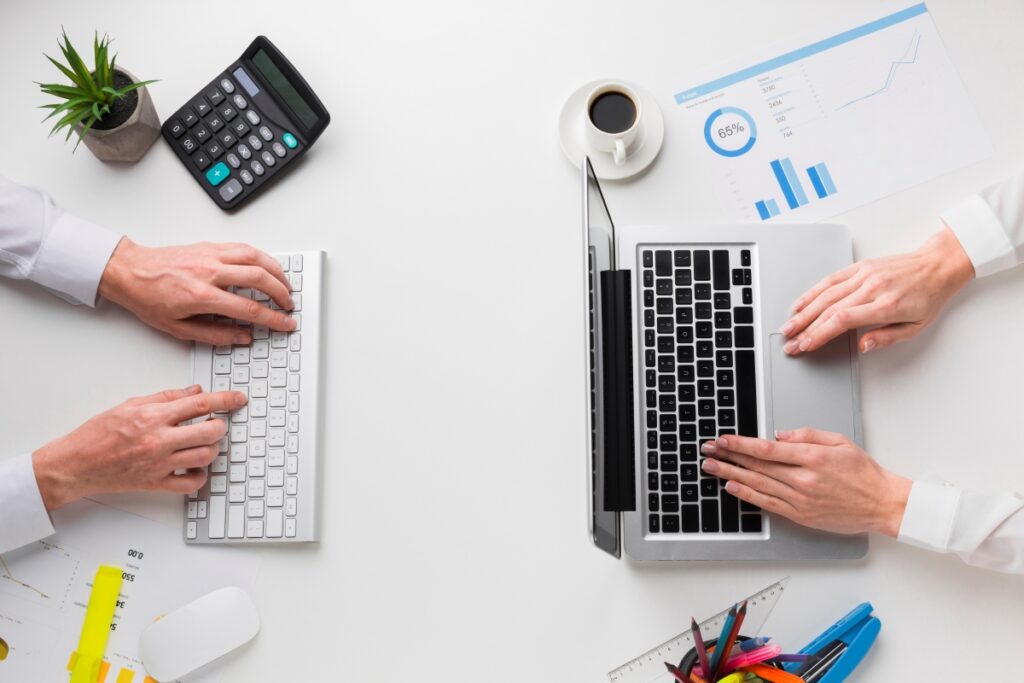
690 660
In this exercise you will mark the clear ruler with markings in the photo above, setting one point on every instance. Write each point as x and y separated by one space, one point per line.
650 666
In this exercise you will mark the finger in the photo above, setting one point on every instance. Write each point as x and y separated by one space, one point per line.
192 480
245 254
759 481
192 407
762 449
165 396
808 435
234 306
256 278
813 309
840 322
830 281
200 434
214 334
761 500
190 458
887 336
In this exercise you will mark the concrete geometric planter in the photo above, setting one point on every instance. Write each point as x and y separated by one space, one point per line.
128 141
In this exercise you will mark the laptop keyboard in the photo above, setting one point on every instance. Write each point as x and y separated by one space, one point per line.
699 382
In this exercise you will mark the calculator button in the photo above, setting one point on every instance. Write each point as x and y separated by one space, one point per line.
239 128
230 190
202 160
233 160
244 152
227 139
177 129
227 86
202 108
215 123
188 144
279 149
269 159
266 134
218 174
255 142
240 102
215 150
290 140
257 168
253 117
215 97
227 112
190 119
246 177
201 134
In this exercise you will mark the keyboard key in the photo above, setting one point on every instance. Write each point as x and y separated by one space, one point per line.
702 310
684 277
751 523
217 516
688 473
662 263
691 519
253 117
745 258
670 502
723 320
290 527
682 257
239 128
720 268
688 493
177 129
201 160
670 524
191 530
709 516
702 292
274 523
214 96
748 295
743 315
746 394
730 513
654 523
702 266
266 133
236 521
744 337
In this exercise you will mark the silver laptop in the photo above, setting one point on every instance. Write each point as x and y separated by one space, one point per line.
682 347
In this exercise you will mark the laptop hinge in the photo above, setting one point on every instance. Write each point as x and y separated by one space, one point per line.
619 446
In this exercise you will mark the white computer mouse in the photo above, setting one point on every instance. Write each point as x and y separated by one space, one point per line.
178 643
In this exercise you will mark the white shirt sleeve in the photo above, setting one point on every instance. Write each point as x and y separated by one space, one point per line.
23 517
39 241
990 226
984 529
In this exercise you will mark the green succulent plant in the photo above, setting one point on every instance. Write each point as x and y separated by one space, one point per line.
91 93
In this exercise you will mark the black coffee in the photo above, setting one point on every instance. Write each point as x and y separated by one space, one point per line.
613 112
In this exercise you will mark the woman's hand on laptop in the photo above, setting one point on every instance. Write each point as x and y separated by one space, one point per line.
897 295
136 446
817 479
169 287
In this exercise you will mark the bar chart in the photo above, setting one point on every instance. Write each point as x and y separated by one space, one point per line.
792 189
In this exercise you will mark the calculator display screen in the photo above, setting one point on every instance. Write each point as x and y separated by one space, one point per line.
283 87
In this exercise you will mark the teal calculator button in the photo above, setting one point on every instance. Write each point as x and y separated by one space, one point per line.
218 174
290 140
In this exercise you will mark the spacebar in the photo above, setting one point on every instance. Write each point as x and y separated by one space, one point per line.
746 394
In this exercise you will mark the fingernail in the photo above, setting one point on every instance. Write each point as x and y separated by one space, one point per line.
291 323
240 399
868 345
710 466
722 442
787 329
731 486
240 339
797 304
791 346
781 434
805 344
194 389
291 303
708 447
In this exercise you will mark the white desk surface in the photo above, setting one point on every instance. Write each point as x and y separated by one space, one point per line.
455 545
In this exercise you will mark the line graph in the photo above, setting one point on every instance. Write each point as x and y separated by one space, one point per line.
7 575
42 573
915 42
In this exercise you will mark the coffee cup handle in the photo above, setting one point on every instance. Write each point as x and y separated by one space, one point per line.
619 153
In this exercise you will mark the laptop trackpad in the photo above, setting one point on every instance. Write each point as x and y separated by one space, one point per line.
812 389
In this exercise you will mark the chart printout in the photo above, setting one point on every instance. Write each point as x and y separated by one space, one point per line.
867 109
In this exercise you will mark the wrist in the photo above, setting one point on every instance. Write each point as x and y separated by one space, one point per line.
949 260
55 487
118 273
892 504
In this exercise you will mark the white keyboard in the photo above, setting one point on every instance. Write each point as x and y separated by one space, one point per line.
263 485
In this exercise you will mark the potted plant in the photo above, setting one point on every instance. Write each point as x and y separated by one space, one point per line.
110 110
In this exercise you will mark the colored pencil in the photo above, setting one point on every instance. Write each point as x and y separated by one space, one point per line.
716 657
726 648
678 673
698 644
753 643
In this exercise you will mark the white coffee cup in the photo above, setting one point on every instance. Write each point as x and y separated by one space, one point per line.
618 143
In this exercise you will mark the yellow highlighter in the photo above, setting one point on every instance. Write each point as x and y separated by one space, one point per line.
98 617
735 677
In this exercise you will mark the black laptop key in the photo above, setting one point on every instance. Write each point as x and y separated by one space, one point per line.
652 419
668 442
667 402
730 513
746 394
685 372
748 295
689 473
723 319
649 299
653 503
684 315
669 482
682 258
748 507
737 276
743 315
662 263
665 305
724 378
684 297
705 349
649 318
684 353
709 516
687 412
720 268
665 343
722 300
666 383
686 393
649 357
703 310
705 368
687 431
652 481
688 453
705 388
706 407
684 334
654 525
726 417
648 337
744 337
648 259
745 258
688 493
651 378
667 422
748 277
726 398
709 487
684 277
652 439
670 524
669 462
723 340
670 502
652 460
664 324
751 524
702 266
663 286
702 291
691 519
648 278
704 329
708 428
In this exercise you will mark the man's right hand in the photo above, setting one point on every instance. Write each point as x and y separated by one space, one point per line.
897 295
136 446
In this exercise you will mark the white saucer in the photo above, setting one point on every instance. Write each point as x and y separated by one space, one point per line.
570 130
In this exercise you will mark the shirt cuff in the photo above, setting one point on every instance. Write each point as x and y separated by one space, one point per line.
982 236
23 517
928 519
73 257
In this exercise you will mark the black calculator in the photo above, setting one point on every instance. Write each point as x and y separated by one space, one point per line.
253 121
